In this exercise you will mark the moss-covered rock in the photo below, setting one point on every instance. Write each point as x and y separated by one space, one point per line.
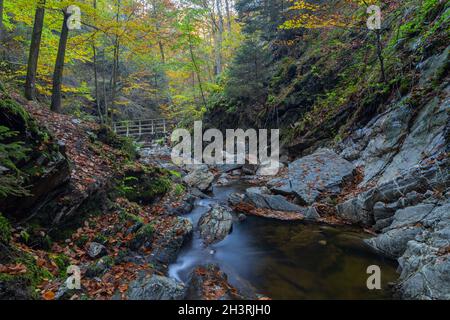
5 229
32 158
145 184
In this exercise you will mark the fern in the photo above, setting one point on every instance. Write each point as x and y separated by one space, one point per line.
10 154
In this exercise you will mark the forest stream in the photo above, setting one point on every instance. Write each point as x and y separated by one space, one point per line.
286 259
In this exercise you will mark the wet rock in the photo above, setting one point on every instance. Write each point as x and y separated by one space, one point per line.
96 250
311 214
142 239
235 198
361 208
223 180
215 224
261 198
225 168
269 168
393 243
98 268
168 245
249 169
210 283
200 177
419 237
309 176
242 217
198 194
156 288
187 205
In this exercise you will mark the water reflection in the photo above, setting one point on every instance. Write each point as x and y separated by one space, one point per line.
287 260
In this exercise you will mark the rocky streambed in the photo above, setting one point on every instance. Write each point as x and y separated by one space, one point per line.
313 230
283 259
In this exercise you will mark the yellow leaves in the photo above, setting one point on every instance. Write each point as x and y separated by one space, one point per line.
315 16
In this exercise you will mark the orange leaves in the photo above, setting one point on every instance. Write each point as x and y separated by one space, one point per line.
48 295
13 269
267 213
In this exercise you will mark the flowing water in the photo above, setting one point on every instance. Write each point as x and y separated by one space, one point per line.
286 259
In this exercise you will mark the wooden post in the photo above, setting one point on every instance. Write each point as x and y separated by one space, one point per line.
153 127
128 128
164 123
140 127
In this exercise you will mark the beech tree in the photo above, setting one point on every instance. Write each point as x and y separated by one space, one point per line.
30 83
59 65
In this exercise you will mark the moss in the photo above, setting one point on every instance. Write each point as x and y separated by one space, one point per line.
126 145
81 241
147 231
179 189
62 261
129 217
5 230
101 238
144 185
33 276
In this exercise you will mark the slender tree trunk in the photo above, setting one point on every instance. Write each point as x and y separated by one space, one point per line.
1 22
197 70
94 52
227 8
116 56
105 98
59 66
380 55
30 82
219 35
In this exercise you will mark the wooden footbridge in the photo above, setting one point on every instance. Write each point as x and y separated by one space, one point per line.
144 130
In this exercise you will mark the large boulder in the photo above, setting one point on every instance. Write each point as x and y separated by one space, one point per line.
261 198
362 208
168 244
199 177
210 283
96 250
215 224
155 287
419 238
309 176
43 168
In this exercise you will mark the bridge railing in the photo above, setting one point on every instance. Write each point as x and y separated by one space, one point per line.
143 127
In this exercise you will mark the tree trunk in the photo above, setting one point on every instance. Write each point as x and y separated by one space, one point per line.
30 82
197 70
94 52
219 34
380 55
116 55
59 66
1 23
227 8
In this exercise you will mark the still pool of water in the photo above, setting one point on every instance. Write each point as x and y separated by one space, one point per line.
287 260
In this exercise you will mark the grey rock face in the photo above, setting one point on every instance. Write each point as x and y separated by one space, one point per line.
200 177
386 196
261 198
215 224
235 198
96 250
156 288
166 248
419 237
392 143
309 176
